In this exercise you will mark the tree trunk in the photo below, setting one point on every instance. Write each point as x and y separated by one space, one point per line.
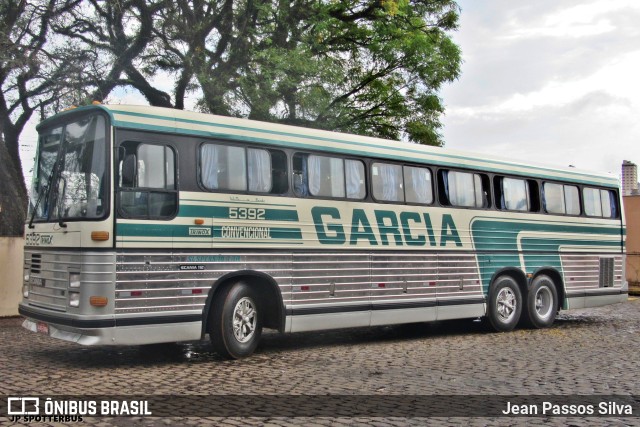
13 201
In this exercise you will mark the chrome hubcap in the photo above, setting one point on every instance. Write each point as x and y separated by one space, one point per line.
245 319
506 303
544 301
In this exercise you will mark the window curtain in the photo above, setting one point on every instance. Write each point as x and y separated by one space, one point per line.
421 181
391 183
355 179
259 162
315 174
209 159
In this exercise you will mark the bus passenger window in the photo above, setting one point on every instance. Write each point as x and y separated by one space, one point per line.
323 176
223 167
387 182
464 189
561 199
326 176
243 169
513 194
417 183
599 203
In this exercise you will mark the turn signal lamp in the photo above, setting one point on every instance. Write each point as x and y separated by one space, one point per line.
198 221
98 301
99 236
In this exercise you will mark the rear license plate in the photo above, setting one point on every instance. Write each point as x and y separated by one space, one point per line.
42 328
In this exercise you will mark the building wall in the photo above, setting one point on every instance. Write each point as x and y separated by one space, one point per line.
632 214
11 261
629 177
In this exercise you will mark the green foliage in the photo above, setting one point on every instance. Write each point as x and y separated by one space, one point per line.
371 68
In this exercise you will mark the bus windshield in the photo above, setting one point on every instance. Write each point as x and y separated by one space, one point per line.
69 176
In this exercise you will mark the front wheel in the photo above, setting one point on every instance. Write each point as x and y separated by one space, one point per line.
542 303
235 325
505 304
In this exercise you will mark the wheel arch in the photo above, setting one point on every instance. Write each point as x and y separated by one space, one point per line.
556 278
268 293
513 272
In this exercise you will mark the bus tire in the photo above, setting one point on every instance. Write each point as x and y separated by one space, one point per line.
505 304
542 303
236 322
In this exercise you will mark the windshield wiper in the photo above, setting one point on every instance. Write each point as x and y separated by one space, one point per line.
46 191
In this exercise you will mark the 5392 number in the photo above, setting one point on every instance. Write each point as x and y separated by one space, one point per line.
246 213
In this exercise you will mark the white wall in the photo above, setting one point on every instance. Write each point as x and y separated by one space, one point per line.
11 262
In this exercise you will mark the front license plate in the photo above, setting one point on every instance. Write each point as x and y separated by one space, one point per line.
42 328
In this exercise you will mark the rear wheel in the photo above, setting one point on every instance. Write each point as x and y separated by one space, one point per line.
505 304
235 325
542 303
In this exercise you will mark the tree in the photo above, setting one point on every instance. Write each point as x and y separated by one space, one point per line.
368 67
31 77
113 38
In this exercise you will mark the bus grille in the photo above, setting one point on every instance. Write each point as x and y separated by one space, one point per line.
606 272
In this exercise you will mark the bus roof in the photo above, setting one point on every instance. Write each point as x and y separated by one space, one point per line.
168 120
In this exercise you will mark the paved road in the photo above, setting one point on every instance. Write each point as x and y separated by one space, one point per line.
587 352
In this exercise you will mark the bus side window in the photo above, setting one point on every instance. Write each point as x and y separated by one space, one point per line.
387 182
417 182
561 199
599 203
147 181
464 189
515 194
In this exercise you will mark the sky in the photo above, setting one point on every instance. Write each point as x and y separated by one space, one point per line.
546 81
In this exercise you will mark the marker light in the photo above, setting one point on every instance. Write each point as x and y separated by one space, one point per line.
100 236
98 301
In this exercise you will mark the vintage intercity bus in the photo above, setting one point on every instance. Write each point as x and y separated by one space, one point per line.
151 225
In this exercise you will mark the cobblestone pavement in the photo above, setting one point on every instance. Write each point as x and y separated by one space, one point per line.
587 352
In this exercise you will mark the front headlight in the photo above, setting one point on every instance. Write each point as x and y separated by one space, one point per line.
25 291
74 280
74 299
26 275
